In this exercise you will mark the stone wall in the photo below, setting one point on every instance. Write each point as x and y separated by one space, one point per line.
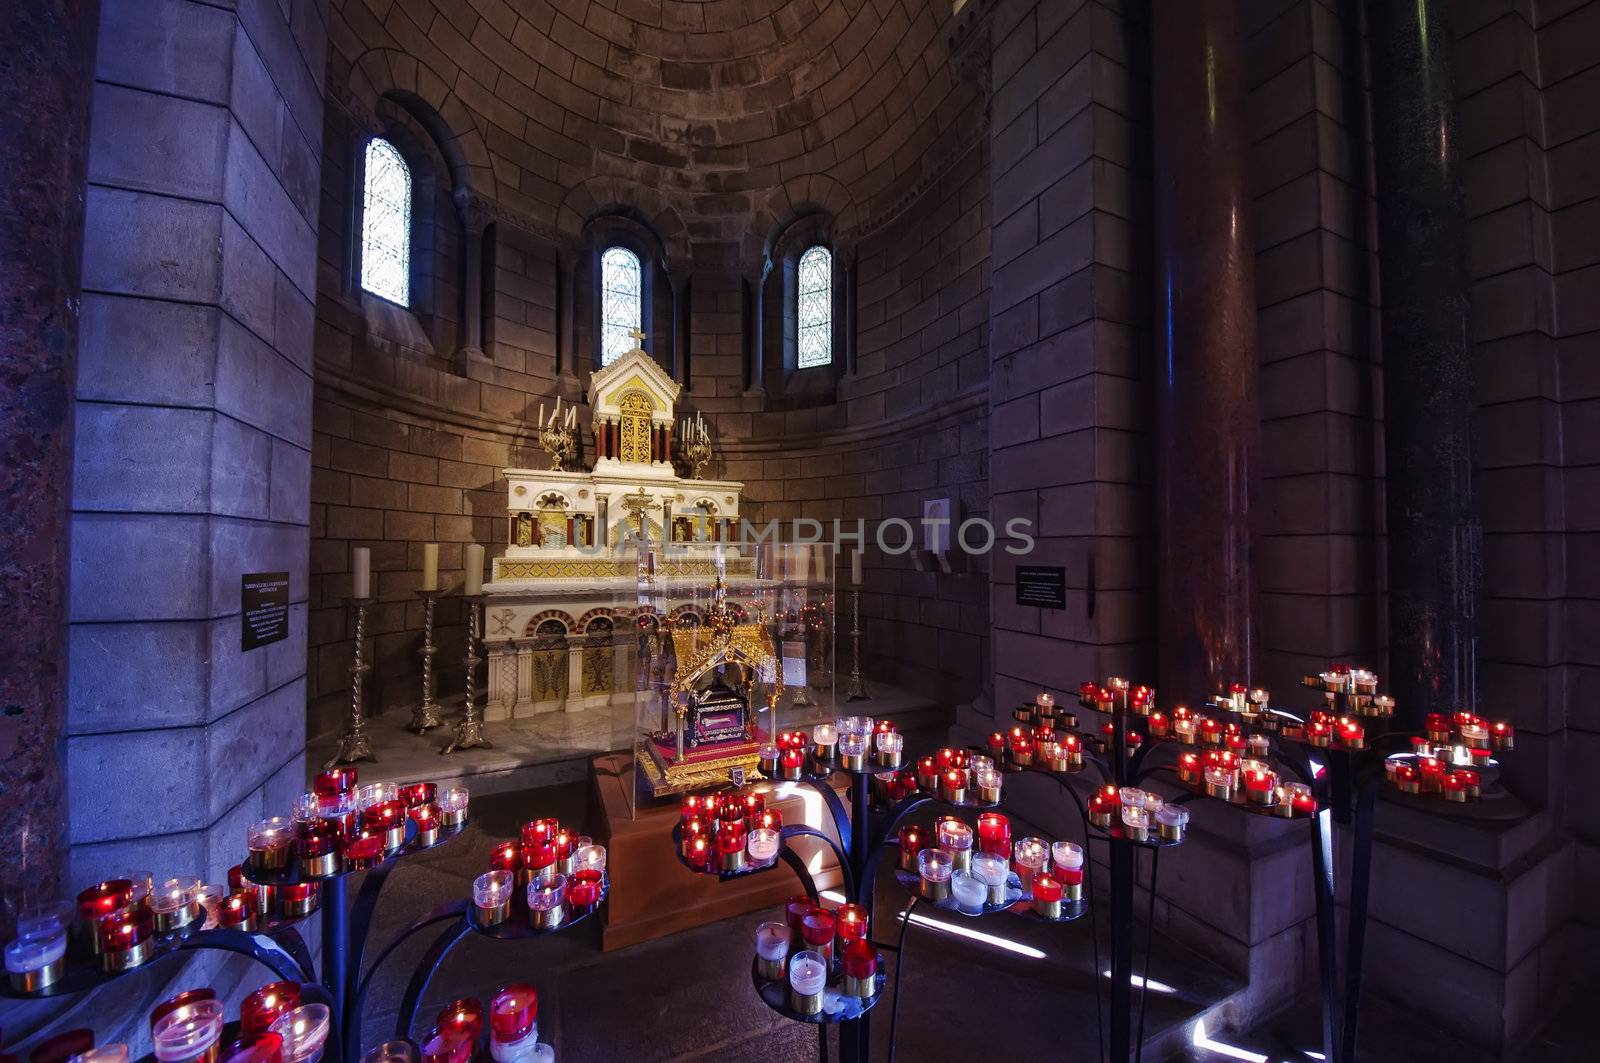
194 429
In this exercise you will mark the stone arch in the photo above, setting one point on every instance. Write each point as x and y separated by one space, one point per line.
600 613
385 73
538 620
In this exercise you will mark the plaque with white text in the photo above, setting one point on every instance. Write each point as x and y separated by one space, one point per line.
263 609
1042 586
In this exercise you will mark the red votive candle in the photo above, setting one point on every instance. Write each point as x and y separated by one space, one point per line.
172 1004
700 853
238 910
583 887
771 819
298 900
994 834
268 1048
124 937
1502 735
953 786
264 1007
1453 787
334 785
997 747
850 923
541 830
817 931
795 911
364 851
1047 895
913 840
860 962
754 804
1470 780
318 843
449 1045
927 774
690 806
1352 734
513 1013
418 793
464 1014
790 763
426 819
386 819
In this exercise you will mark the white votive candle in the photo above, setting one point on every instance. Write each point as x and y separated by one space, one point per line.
1067 856
967 889
808 973
992 870
762 844
772 949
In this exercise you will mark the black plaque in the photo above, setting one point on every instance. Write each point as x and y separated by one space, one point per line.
1043 586
263 609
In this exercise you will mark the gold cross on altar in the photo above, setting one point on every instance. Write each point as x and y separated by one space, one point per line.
638 336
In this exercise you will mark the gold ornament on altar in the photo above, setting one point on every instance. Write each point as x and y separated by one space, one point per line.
559 435
694 445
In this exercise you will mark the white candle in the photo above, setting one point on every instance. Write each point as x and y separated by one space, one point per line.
808 973
762 844
855 567
1067 856
430 566
890 744
474 567
968 891
361 572
990 868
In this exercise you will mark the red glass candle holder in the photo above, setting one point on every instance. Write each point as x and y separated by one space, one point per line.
238 911
953 785
418 793
994 834
791 762
172 1004
513 1013
1047 893
860 962
425 818
265 1006
125 938
298 900
388 820
817 930
464 1014
583 887
913 840
319 843
699 854
333 785
850 923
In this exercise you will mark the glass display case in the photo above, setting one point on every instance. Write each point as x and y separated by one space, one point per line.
735 645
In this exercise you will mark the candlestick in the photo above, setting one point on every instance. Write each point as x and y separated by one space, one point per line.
808 976
425 715
857 688
354 744
469 732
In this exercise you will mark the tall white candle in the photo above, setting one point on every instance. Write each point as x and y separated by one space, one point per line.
430 566
474 567
855 568
361 572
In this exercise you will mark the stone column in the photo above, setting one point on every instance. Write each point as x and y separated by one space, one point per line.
1435 548
758 371
472 226
43 140
1207 424
566 334
848 273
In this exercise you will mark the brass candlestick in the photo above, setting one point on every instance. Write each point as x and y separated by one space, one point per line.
426 715
560 442
354 744
469 732
697 455
857 690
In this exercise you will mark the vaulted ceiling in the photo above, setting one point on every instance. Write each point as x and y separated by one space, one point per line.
713 117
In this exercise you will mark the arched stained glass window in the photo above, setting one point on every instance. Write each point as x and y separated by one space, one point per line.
815 347
621 303
386 223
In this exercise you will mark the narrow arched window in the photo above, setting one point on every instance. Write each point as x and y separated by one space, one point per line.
621 303
815 346
386 223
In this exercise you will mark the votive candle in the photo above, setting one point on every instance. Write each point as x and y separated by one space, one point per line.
547 898
808 977
491 897
992 869
935 868
762 845
955 838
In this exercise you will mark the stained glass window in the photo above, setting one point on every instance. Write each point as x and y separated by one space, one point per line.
816 308
386 224
621 312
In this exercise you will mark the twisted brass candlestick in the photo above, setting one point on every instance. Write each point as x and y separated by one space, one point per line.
857 690
354 744
560 442
697 455
469 732
426 715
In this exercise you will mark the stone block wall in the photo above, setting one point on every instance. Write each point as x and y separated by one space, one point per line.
194 429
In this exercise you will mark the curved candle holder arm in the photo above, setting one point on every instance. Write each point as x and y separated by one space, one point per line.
363 982
260 947
803 873
289 940
361 923
426 967
899 958
830 797
842 855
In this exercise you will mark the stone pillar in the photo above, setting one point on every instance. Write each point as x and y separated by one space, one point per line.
43 141
1435 551
471 282
848 273
758 370
1207 423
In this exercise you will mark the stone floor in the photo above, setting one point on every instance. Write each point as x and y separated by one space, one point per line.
1026 990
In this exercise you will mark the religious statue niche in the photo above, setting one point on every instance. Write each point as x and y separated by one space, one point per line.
525 530
704 516
553 520
718 673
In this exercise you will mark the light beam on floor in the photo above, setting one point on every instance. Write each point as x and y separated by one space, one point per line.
1198 1039
1155 985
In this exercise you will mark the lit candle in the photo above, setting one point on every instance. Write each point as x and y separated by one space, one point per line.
992 870
453 801
955 838
997 746
1352 734
464 1014
1028 858
491 896
935 867
700 853
1503 736
591 857
1047 895
1219 782
298 900
183 999
265 1006
426 819
189 1032
1453 787
808 976
767 759
584 887
890 749
1101 807
269 842
175 904
319 843
762 845
547 897
1301 799
1474 734
513 1023
1066 856
430 566
927 774
361 572
238 911
304 1031
994 833
1183 727
472 560
852 751
334 785
953 786
1260 784
912 842
124 938
1171 821
1135 822
772 950
791 764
